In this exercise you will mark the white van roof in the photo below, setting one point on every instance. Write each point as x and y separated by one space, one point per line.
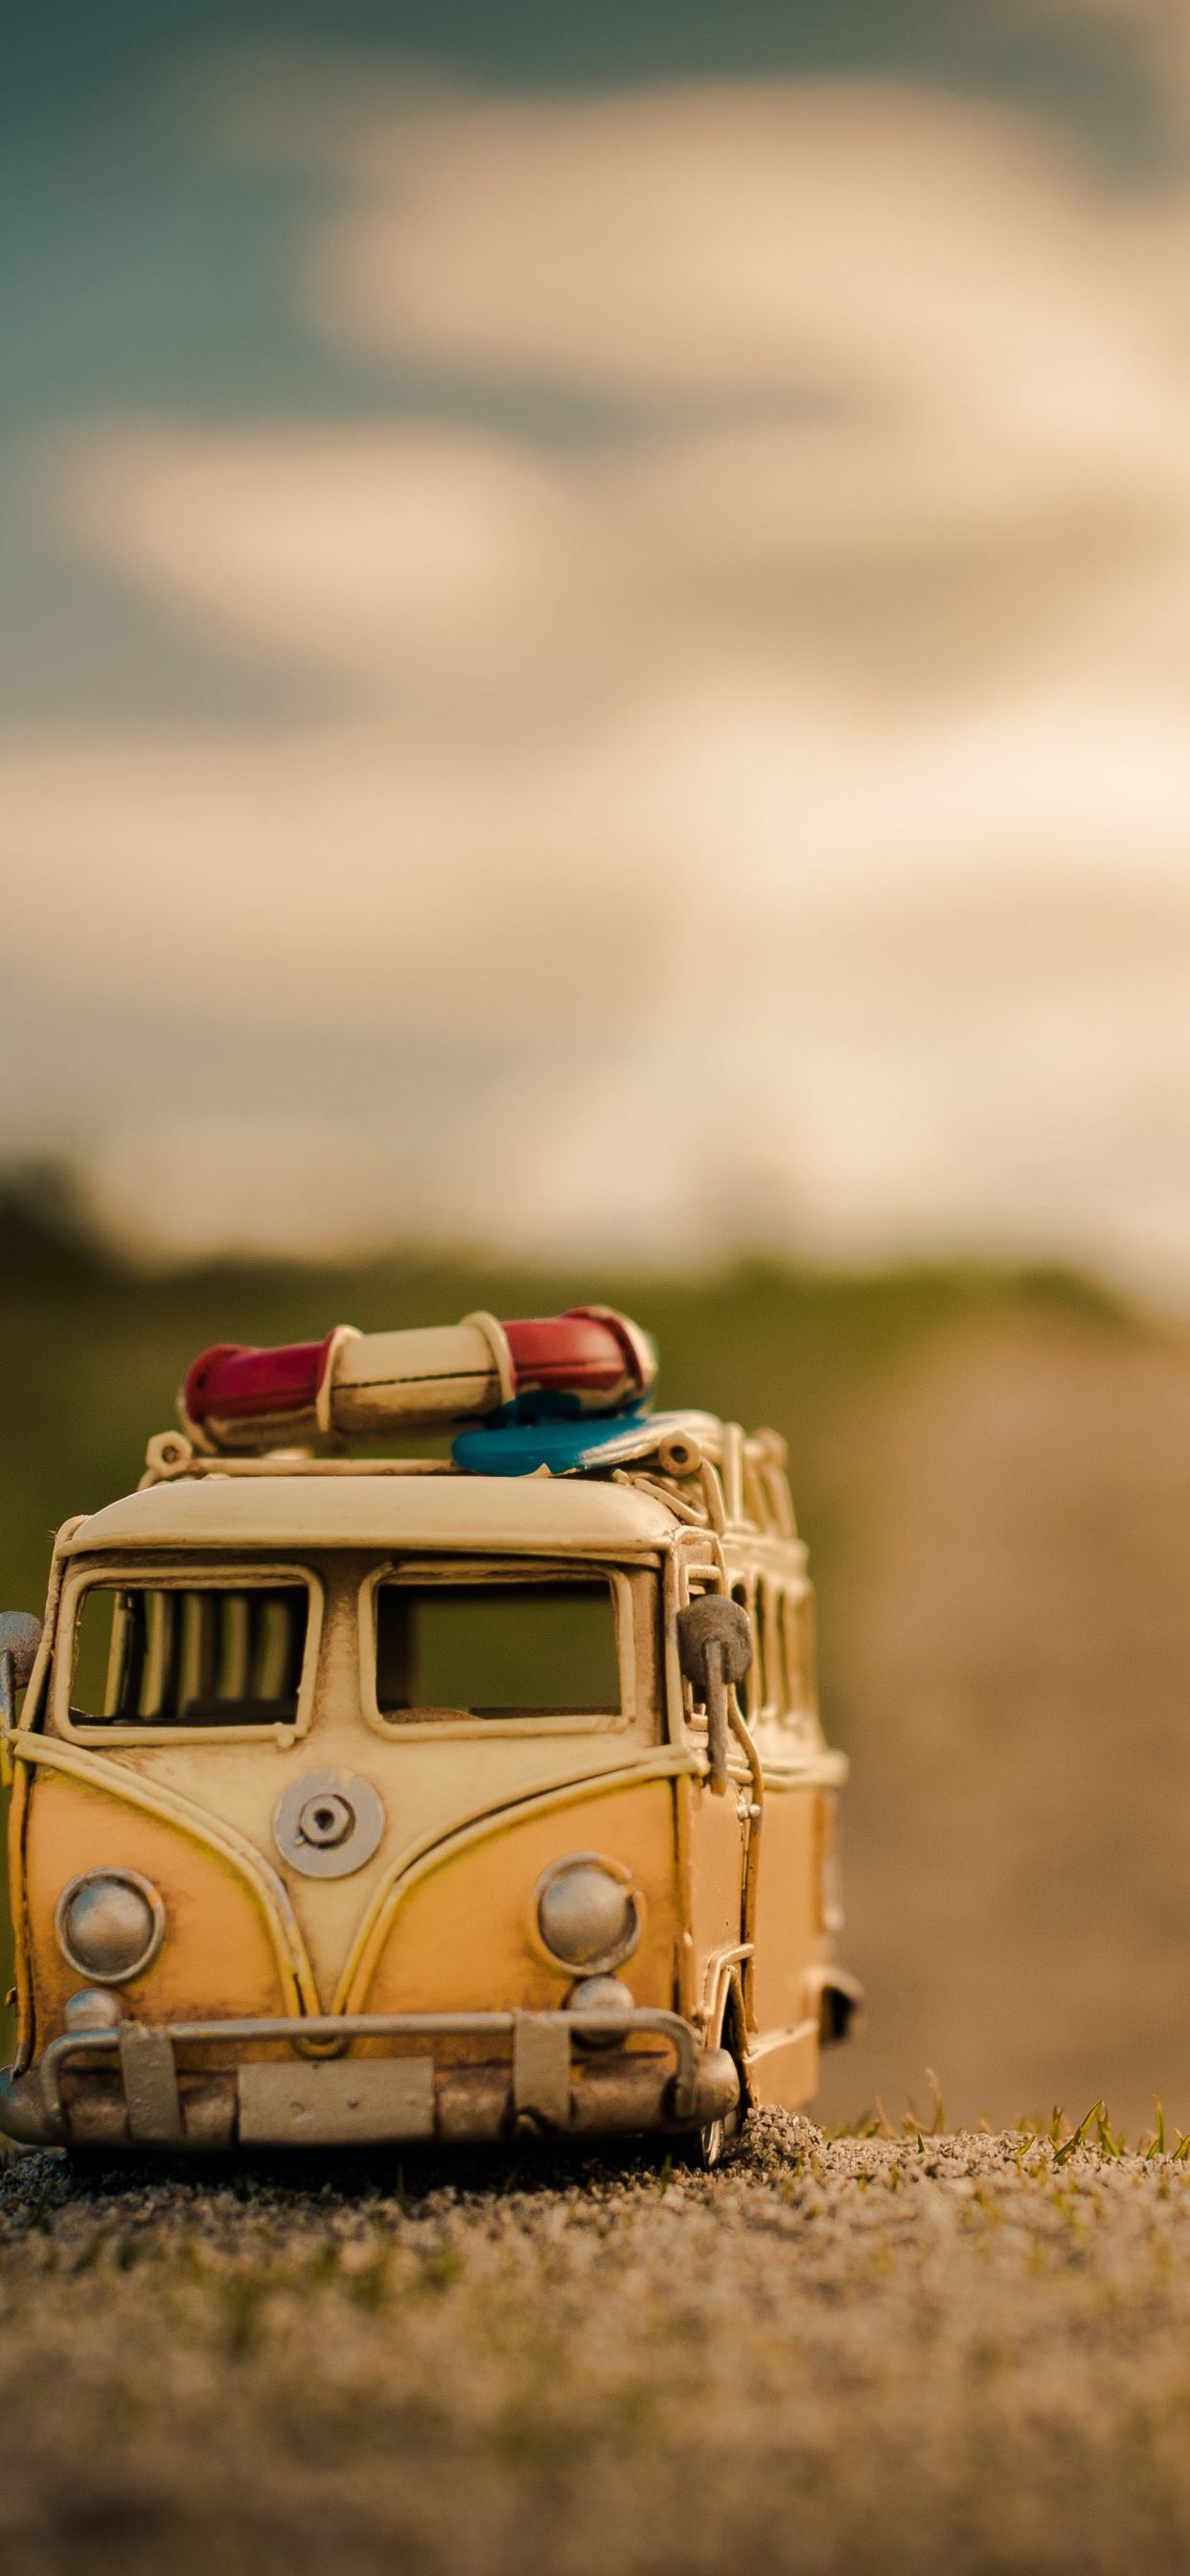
537 1514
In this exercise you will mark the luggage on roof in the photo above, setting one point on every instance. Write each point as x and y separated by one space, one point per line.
367 1386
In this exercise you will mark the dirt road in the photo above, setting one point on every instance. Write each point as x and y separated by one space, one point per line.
1006 1656
849 2355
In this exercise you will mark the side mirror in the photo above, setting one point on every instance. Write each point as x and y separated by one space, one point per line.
714 1650
20 1637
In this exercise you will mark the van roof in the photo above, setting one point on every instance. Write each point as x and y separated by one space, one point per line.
534 1513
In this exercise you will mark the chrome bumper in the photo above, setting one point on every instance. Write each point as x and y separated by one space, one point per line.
317 2095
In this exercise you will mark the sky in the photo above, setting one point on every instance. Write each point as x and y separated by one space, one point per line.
595 627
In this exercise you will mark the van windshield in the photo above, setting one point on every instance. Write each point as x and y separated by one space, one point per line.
494 1650
214 1655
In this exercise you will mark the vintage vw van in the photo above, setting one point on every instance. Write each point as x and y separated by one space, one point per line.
359 1798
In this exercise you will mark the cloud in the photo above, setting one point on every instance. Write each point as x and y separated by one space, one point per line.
465 576
775 800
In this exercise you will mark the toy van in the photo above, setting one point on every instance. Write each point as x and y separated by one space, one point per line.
360 1798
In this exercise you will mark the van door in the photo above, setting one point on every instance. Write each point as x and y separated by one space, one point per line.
717 1851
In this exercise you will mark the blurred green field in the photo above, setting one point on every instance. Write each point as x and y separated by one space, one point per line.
92 1352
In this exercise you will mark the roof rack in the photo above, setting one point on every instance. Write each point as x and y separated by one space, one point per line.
709 1473
556 1395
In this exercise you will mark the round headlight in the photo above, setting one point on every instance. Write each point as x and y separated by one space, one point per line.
110 1924
587 1913
599 1995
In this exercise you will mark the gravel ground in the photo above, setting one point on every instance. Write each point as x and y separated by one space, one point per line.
961 2352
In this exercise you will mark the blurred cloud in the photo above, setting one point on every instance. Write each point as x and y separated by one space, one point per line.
774 790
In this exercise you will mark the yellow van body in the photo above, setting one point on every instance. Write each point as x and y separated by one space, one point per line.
351 1915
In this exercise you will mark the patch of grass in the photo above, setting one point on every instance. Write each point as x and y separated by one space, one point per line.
439 2270
1078 2137
243 2295
529 2432
634 2410
368 2284
1111 2144
1157 2145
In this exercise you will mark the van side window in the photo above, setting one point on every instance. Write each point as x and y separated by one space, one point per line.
797 1622
750 1694
769 1666
496 1650
214 1656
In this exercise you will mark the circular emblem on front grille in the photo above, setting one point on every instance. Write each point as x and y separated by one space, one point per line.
328 1823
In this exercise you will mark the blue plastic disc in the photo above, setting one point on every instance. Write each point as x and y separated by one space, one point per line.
566 1448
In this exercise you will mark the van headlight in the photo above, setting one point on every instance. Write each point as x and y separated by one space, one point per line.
588 1913
110 1924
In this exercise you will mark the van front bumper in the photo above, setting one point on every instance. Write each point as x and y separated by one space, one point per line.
454 2077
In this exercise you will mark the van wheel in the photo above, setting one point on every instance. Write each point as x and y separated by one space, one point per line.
704 2148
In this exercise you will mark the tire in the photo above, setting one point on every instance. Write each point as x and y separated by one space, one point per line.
705 2148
